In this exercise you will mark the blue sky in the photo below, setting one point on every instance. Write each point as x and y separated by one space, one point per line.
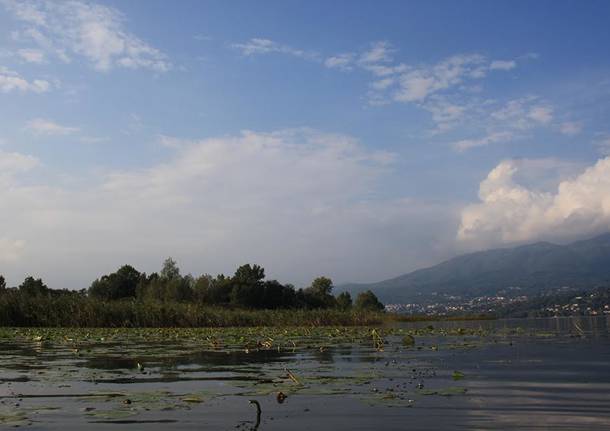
359 140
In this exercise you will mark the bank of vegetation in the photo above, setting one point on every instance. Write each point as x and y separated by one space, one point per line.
129 298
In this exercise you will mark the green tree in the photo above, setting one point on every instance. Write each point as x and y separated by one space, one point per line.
247 286
170 270
178 289
2 284
368 301
249 274
202 289
33 287
344 301
220 289
118 285
318 295
277 295
322 286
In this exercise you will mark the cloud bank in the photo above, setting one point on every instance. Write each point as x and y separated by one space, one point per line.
300 202
510 212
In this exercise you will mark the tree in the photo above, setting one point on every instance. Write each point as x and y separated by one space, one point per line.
2 283
118 285
247 287
202 289
170 270
277 295
318 295
249 274
368 301
344 301
178 289
33 287
322 286
220 289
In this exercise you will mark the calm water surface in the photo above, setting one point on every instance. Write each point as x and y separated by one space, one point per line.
506 374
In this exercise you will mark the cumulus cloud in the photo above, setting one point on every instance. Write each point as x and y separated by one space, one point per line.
511 212
42 126
12 81
258 46
94 31
300 202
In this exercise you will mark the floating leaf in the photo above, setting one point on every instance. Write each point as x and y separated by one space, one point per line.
457 375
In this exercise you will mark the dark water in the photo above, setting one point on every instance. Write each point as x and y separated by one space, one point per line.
508 374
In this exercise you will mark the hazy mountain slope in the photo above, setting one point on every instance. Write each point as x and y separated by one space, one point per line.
534 268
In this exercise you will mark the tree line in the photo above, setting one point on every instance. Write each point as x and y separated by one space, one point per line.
247 288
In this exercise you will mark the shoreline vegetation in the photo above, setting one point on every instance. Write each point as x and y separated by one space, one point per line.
84 312
130 299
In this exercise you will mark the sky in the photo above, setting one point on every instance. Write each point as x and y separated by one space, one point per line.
356 140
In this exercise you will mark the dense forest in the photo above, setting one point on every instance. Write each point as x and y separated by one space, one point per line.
128 297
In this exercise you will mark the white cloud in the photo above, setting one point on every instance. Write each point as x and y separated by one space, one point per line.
257 46
12 81
524 113
445 114
91 30
511 212
380 52
41 126
382 84
466 144
570 128
172 142
503 65
12 163
31 55
417 84
541 114
340 61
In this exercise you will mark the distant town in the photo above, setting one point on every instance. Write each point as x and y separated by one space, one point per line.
512 302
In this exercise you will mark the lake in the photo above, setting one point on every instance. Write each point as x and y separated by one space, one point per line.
502 374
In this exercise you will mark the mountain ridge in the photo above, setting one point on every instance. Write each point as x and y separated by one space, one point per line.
533 268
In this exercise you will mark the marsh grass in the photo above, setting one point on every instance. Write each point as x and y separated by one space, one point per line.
83 311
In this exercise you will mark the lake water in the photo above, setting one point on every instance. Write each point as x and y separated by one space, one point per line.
505 374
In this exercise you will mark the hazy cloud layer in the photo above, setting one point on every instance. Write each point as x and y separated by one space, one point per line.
301 202
42 126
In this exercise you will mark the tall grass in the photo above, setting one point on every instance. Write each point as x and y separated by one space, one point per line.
83 311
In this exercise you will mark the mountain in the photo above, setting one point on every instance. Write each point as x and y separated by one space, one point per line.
532 268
